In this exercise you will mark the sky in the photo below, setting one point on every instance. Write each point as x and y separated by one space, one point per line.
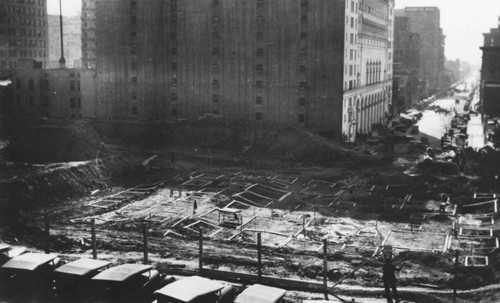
463 22
69 7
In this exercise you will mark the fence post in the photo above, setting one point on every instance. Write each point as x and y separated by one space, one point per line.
325 267
455 278
47 231
259 256
145 242
200 254
93 237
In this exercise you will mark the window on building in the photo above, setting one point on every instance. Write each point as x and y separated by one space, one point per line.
134 65
173 51
302 85
133 5
174 112
79 103
173 82
352 22
258 116
302 69
215 84
259 84
215 51
133 20
350 70
303 36
259 69
259 52
135 111
260 3
351 85
303 19
258 100
215 67
215 3
351 53
352 6
259 36
18 84
215 98
173 97
72 103
173 66
72 86
134 80
133 35
31 84
134 95
302 101
303 4
173 35
352 38
302 118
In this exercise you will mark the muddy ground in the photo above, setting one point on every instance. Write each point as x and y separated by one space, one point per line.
428 265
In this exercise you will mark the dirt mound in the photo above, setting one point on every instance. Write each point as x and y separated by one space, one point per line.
54 142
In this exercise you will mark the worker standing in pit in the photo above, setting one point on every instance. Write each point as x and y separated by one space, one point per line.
389 276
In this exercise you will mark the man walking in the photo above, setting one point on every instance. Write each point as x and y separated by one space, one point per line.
389 278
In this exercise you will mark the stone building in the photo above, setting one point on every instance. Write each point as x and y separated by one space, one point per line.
490 72
326 65
88 34
23 32
407 47
56 93
72 34
425 21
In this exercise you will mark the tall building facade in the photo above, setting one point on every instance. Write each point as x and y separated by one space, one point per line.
490 72
23 32
425 21
72 41
368 70
88 34
406 83
322 64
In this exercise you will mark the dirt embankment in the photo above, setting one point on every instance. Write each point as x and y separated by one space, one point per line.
57 182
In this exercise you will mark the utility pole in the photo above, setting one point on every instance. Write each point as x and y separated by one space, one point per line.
62 60
259 256
92 231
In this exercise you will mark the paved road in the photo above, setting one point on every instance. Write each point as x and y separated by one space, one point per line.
475 132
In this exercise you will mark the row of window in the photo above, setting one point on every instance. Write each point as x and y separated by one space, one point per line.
27 43
23 53
21 10
11 31
25 21
39 2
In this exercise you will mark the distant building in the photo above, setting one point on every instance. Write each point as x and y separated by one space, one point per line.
23 32
490 72
425 21
59 93
72 34
407 47
326 65
88 34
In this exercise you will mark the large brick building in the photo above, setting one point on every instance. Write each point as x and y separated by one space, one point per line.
319 63
23 32
425 21
490 72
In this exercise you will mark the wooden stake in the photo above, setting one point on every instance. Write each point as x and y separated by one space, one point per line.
455 278
145 242
325 267
259 256
47 231
200 254
93 237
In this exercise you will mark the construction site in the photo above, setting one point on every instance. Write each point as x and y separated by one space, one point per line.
315 224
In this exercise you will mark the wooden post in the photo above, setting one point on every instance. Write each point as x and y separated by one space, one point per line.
411 222
200 255
93 237
304 226
145 242
47 231
325 267
259 256
455 278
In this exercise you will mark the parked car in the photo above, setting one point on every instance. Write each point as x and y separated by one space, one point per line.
195 290
258 293
71 281
27 276
8 252
125 283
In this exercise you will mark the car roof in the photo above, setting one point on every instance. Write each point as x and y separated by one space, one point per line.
4 247
188 289
29 261
258 293
122 272
81 267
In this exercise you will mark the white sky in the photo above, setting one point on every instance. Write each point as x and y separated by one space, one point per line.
69 7
463 23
